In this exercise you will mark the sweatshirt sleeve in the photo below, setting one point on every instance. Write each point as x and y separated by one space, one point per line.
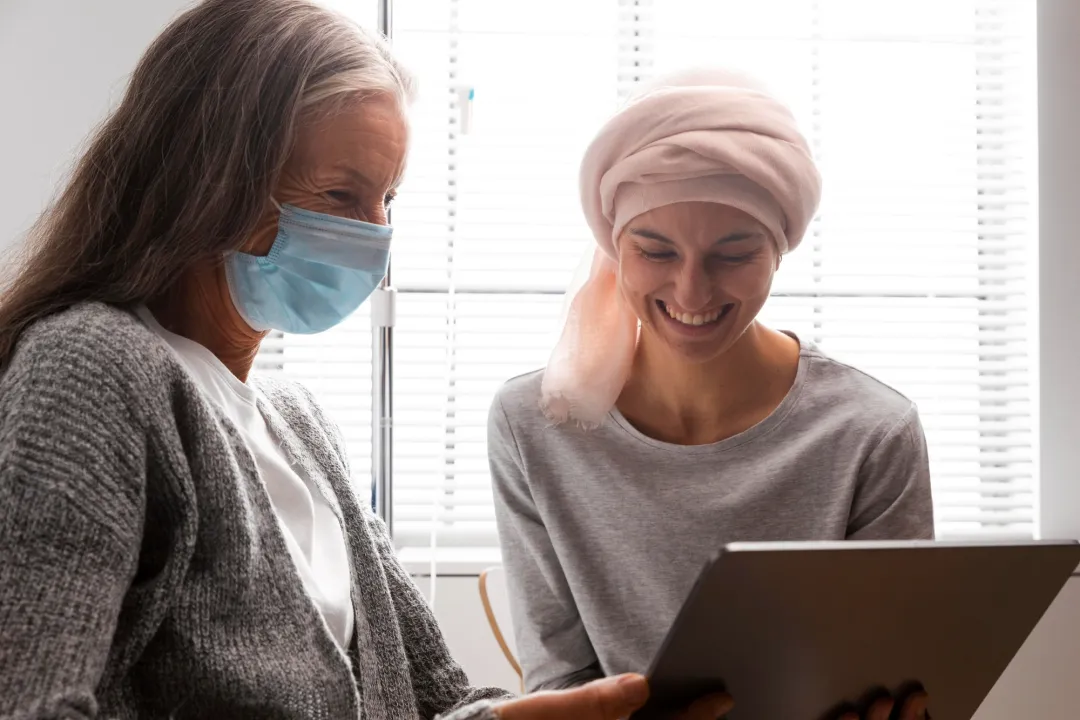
553 647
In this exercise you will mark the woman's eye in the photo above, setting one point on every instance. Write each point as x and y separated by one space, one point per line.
340 196
389 200
737 259
657 256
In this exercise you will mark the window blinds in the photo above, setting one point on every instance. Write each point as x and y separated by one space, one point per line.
917 269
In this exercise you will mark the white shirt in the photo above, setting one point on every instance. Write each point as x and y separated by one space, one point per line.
312 532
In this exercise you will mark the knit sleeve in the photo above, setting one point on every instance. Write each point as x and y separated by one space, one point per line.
72 470
441 687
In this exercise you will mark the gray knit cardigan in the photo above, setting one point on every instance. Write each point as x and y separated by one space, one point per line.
143 573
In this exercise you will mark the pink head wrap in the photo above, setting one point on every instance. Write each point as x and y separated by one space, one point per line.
702 135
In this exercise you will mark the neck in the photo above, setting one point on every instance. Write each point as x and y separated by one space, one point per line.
199 307
699 403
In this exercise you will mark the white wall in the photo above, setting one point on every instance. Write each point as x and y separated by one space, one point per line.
1059 266
62 63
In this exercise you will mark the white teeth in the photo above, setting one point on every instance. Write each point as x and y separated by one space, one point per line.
688 319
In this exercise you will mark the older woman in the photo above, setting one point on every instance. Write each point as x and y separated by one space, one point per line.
669 420
176 539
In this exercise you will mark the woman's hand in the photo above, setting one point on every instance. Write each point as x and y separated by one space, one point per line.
913 708
608 699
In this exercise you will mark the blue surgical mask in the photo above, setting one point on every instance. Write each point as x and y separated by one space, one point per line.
319 270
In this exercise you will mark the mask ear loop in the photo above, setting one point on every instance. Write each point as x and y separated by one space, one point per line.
276 204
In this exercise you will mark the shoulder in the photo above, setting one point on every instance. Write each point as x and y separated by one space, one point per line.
84 396
91 326
834 388
516 422
94 345
517 402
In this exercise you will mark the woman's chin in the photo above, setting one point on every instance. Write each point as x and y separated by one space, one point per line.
700 349
701 353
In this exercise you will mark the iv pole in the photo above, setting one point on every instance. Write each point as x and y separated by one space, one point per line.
383 319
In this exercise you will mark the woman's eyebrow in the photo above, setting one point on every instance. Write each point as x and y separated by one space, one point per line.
650 235
351 172
362 180
737 236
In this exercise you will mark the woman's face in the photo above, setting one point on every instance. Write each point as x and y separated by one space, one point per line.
346 164
696 275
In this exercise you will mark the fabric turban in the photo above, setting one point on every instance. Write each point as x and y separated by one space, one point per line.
701 135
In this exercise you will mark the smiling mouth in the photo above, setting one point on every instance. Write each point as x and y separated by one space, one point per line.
712 317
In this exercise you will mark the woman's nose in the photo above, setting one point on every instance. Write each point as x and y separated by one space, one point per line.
693 287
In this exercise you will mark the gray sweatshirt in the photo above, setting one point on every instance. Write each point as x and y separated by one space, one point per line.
143 573
604 532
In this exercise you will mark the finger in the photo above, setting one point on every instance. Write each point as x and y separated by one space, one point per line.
613 698
710 707
607 699
880 710
914 707
534 706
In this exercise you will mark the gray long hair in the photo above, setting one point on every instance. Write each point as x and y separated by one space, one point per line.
181 171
